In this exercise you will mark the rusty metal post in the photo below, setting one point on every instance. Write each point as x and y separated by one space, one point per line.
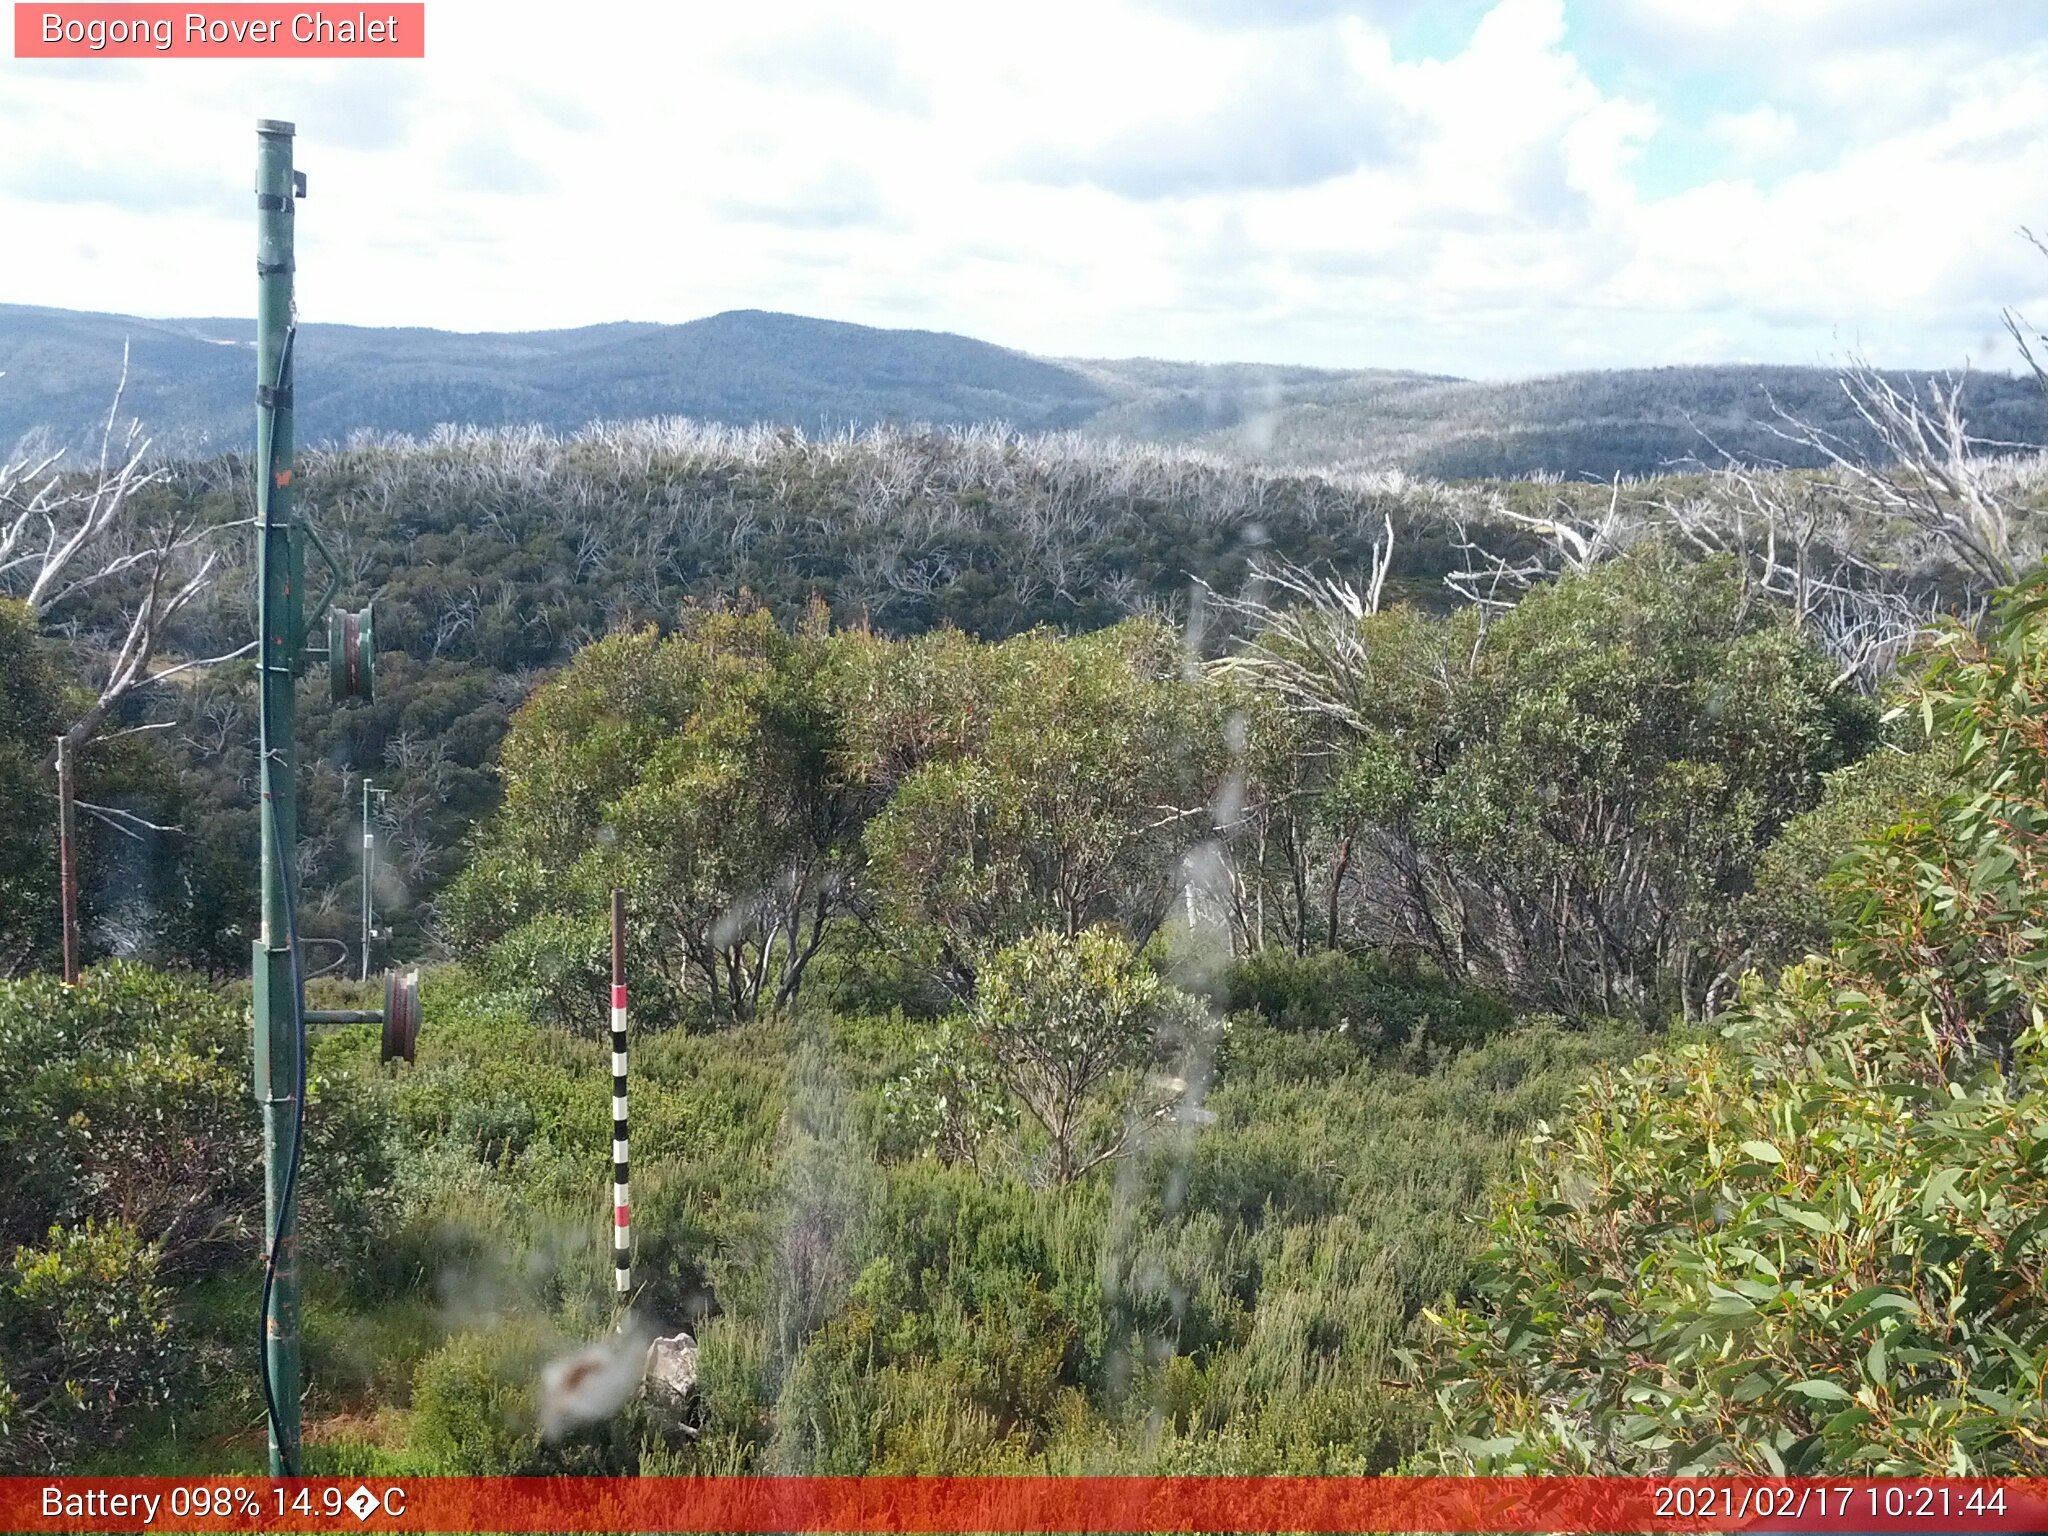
67 860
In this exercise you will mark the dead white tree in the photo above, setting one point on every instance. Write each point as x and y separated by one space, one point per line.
1574 543
1794 541
66 534
2023 335
1305 641
1489 580
1929 474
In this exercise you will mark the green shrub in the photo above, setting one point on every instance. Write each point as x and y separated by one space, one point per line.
1065 1021
557 968
951 1102
494 1130
1378 1002
32 712
971 1328
348 1181
473 1403
475 1410
86 1345
1787 914
127 1097
1813 1244
1768 1256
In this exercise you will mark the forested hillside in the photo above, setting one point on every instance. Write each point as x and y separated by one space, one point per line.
189 384
1622 421
190 378
494 556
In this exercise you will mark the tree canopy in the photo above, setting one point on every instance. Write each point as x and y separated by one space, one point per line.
1812 1242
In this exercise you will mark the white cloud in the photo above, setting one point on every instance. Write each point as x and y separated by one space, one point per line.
1762 133
1756 32
1304 114
833 55
1205 178
842 197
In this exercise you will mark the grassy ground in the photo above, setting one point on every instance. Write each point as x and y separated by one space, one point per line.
1228 1299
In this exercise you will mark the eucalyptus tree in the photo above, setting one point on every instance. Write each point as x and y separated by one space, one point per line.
1064 789
1069 1019
1555 798
695 771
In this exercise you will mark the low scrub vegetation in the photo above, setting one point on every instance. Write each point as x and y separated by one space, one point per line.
1226 1296
1080 1038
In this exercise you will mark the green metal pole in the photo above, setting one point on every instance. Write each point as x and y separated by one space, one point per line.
280 604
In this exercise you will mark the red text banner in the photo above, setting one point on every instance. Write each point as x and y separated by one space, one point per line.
232 31
1936 1506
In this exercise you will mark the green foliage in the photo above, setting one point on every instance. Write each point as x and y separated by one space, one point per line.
493 559
959 1346
1561 805
1227 1306
556 966
1227 1303
348 1185
1057 784
475 1411
1945 912
692 771
126 1098
1810 1245
31 716
1787 915
1059 787
1633 739
952 1100
1065 1019
1377 1002
750 788
86 1344
473 1403
130 1182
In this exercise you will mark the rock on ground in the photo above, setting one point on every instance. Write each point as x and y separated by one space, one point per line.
672 1370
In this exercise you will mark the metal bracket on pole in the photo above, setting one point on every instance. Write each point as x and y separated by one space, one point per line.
400 1015
333 578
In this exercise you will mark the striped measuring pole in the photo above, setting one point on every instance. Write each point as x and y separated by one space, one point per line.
622 1202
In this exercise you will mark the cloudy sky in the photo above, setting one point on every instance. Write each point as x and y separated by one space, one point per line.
1486 187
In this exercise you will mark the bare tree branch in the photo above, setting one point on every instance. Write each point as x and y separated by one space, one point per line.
1937 477
124 822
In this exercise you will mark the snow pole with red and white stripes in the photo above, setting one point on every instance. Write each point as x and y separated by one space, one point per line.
622 1219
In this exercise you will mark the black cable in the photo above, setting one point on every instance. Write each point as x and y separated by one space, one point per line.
291 1177
287 1456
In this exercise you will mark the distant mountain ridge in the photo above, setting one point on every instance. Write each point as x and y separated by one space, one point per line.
190 380
191 384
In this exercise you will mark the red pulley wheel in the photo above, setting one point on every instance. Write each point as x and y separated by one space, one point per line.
351 655
401 1015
